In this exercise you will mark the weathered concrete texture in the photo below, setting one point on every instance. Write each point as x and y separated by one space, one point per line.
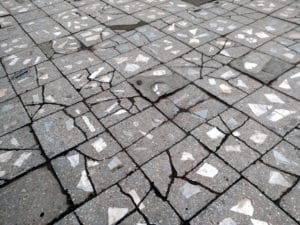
149 112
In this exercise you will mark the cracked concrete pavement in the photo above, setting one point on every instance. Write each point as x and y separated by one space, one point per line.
149 112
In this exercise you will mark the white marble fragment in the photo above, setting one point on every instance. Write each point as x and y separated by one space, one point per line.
228 221
276 178
22 158
187 156
188 190
84 183
244 207
99 145
214 133
136 199
74 160
258 137
259 109
115 214
208 170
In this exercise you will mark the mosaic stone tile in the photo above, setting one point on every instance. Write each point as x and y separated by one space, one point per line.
278 112
166 49
242 204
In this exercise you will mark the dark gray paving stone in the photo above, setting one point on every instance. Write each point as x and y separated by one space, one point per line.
33 199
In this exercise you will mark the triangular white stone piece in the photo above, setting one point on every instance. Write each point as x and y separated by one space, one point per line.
115 214
244 207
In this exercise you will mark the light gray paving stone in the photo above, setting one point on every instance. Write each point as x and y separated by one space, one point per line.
68 219
155 142
157 82
116 168
134 218
201 112
250 36
132 63
195 36
76 61
32 77
137 126
271 181
280 51
294 137
186 155
256 136
107 208
159 171
284 157
14 45
13 116
162 213
57 133
166 49
274 25
6 90
72 173
221 25
214 174
261 66
288 83
208 135
188 198
290 202
232 149
94 35
74 20
288 13
33 199
242 204
276 111
101 147
49 98
23 59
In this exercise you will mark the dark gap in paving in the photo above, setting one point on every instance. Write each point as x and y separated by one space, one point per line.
127 27
198 2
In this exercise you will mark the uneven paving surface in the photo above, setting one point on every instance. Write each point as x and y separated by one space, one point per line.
138 112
